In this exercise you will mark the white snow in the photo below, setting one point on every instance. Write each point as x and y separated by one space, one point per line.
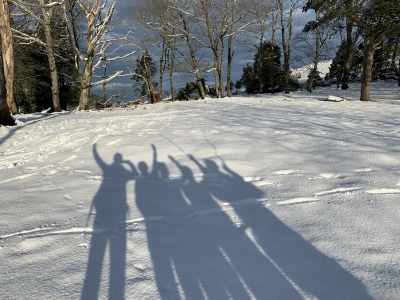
334 99
304 71
242 198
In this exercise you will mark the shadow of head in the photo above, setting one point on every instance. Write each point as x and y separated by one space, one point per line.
143 168
118 158
211 165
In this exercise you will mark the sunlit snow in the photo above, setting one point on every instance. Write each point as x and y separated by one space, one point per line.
254 197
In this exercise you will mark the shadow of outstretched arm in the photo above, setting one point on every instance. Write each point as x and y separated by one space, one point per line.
98 159
201 167
134 171
159 170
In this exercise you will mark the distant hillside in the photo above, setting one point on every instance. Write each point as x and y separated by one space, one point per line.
323 68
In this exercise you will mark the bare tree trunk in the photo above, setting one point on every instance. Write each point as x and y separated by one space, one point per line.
193 60
3 90
231 53
348 54
317 53
104 77
55 89
273 30
368 60
286 43
5 116
219 59
216 79
86 84
160 79
163 64
260 65
8 66
72 27
171 64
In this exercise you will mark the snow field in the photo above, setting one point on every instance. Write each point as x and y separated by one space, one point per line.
263 197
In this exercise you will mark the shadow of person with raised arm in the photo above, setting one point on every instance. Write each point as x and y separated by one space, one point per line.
109 229
196 250
310 272
157 200
225 260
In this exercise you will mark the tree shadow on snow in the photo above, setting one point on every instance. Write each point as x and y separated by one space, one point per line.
109 228
201 250
26 122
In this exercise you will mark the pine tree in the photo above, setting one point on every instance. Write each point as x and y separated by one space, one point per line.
145 70
266 71
378 20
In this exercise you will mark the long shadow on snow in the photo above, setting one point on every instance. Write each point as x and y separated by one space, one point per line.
109 228
196 248
198 251
307 269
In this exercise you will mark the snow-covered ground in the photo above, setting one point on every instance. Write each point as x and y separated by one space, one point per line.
263 197
303 72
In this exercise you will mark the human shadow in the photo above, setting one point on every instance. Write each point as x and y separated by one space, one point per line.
306 269
109 228
196 249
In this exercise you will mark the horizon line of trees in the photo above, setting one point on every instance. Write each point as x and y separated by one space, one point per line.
73 38
200 36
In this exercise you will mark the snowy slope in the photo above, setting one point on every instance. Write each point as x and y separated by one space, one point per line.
304 71
265 197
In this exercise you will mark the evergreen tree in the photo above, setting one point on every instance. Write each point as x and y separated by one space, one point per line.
249 79
265 71
144 72
338 67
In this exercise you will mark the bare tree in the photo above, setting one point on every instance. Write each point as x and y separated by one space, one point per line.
315 43
152 18
179 28
212 21
97 20
236 21
45 19
218 21
7 100
286 15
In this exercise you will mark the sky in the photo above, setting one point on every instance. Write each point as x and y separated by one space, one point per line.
243 54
